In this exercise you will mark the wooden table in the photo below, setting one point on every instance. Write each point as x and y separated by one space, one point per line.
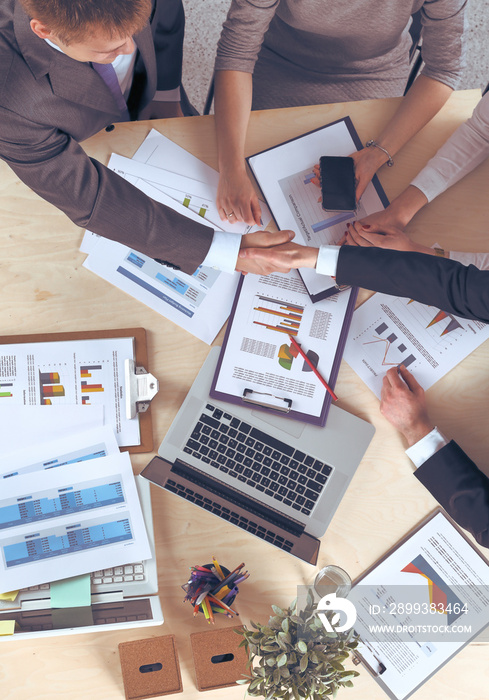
45 288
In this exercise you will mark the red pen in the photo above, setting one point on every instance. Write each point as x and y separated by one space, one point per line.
303 354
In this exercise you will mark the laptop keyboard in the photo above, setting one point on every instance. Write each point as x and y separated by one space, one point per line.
257 459
117 574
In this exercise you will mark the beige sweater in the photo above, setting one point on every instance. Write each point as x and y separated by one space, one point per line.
319 51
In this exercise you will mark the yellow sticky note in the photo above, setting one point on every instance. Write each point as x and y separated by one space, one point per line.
7 627
71 592
11 595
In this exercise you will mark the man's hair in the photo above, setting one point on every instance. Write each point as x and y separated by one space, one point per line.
73 20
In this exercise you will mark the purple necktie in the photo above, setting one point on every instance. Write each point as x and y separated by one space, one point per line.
109 76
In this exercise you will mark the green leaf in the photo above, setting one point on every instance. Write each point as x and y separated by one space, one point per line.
336 665
282 660
285 625
302 646
278 611
304 662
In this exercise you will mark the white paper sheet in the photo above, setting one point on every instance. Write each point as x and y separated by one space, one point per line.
259 354
72 448
387 331
159 151
71 372
433 595
33 424
63 522
199 303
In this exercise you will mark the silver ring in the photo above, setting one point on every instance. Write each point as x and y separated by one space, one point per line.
230 214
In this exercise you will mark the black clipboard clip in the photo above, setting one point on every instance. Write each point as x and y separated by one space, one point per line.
277 405
360 659
141 388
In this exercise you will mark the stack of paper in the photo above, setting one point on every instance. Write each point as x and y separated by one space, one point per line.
68 506
199 303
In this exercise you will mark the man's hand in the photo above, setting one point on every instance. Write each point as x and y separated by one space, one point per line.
160 110
237 199
403 404
263 253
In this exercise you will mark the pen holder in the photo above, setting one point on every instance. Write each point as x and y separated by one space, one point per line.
212 589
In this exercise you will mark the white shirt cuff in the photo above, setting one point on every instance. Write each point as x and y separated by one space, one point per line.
426 447
223 253
327 261
167 95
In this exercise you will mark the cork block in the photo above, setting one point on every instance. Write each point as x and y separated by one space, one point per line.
150 668
219 661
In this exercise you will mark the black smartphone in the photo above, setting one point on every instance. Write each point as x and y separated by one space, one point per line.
337 177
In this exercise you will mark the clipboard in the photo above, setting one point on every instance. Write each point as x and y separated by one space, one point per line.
379 672
276 402
140 360
293 204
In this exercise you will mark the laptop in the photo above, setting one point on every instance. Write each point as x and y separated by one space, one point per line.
121 597
274 477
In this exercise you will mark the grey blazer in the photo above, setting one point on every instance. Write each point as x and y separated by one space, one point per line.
49 102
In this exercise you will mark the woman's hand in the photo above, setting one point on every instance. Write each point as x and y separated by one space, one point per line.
237 200
370 235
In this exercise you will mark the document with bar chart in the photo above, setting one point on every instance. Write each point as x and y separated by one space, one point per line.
388 331
285 175
85 372
258 356
68 521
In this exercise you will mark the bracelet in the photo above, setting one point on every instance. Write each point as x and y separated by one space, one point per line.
370 143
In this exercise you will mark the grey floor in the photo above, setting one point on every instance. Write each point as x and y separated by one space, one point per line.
205 17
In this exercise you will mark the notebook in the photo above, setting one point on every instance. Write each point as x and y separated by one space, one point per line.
115 603
278 479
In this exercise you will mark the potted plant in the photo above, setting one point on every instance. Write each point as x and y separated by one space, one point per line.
297 658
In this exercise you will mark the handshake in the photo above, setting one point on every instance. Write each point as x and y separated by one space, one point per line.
262 253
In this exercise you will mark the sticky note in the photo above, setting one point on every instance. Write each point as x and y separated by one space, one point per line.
11 595
7 627
71 592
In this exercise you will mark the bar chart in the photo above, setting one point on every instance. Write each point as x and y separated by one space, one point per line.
88 386
60 502
5 390
63 540
276 315
50 387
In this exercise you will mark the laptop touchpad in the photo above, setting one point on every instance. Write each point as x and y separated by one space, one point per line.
291 427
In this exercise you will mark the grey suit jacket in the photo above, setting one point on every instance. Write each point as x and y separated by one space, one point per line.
49 102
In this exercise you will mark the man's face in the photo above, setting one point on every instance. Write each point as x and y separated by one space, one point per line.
96 47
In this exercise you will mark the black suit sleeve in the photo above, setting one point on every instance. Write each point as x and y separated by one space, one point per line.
460 487
447 284
168 27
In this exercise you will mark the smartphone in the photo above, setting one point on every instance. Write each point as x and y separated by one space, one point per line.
337 177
